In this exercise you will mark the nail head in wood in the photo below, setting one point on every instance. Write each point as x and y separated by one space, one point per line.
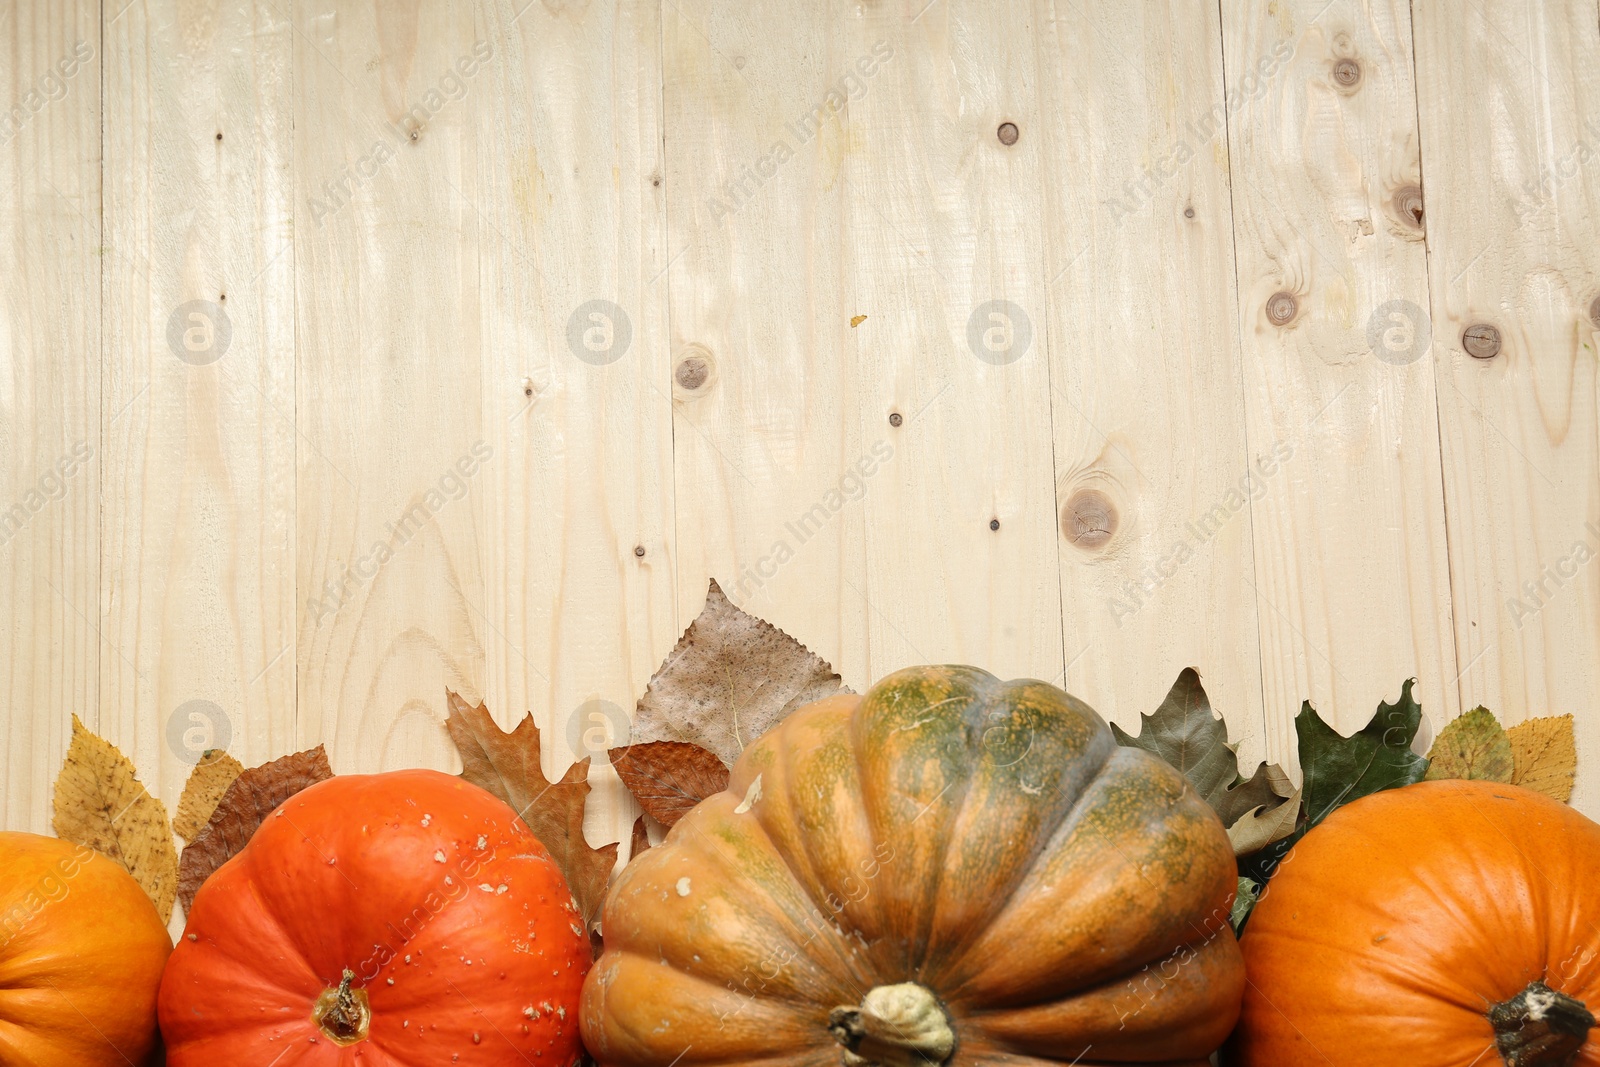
1008 133
1481 340
994 524
638 550
1188 212
1281 308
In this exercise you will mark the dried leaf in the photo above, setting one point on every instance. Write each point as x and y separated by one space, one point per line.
210 779
1544 755
1186 733
507 765
669 777
730 679
1244 902
249 799
100 803
1259 828
1473 746
640 843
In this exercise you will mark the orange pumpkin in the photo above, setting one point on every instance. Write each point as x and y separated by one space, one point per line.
1448 922
386 919
81 952
951 869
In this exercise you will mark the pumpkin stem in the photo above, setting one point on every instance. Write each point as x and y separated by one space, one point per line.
895 1026
343 1013
1540 1027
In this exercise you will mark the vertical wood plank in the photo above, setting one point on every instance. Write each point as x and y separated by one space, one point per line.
393 444
197 577
1352 574
50 403
1154 534
1507 98
945 253
765 438
577 509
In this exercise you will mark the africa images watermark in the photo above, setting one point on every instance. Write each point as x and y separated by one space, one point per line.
1198 133
340 189
51 485
52 888
852 486
51 86
732 195
453 484
1200 531
1553 577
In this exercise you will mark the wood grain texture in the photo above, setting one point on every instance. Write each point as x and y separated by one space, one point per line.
945 253
197 565
1153 531
576 619
757 218
540 314
393 439
1507 99
50 402
1351 568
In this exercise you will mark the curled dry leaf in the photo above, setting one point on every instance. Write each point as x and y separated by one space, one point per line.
1186 733
207 783
731 678
669 777
1260 827
1544 755
507 765
640 842
100 803
249 799
1472 746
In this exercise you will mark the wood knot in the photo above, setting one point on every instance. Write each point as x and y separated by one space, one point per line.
693 372
1594 312
1347 73
1281 308
1008 133
1481 340
1089 519
1407 201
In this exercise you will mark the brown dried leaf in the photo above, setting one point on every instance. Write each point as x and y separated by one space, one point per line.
669 777
249 799
203 791
507 765
1257 829
641 839
100 803
731 678
1544 755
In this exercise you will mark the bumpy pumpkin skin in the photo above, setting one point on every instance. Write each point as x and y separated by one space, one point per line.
81 952
457 925
1066 900
1388 931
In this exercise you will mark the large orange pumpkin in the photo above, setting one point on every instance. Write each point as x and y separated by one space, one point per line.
81 951
387 919
1445 923
951 869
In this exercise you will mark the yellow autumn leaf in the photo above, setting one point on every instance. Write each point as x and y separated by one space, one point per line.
1473 746
207 782
100 803
1544 755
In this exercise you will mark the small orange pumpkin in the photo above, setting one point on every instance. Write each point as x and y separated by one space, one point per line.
81 952
1447 922
952 870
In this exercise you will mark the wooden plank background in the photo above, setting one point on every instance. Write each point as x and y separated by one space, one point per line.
353 351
